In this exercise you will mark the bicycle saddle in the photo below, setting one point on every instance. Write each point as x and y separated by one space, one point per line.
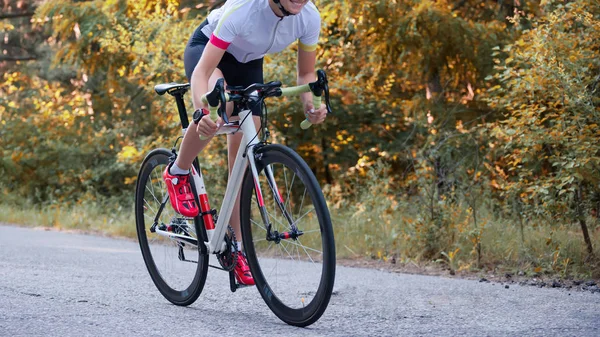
161 89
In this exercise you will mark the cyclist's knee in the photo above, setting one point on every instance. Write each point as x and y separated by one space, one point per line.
217 74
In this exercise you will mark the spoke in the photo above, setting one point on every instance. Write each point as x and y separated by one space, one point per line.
304 247
274 258
274 265
192 229
303 215
274 191
149 217
286 244
288 253
163 187
287 200
287 187
259 240
307 254
273 217
149 206
152 191
271 182
301 202
154 196
312 231
258 224
151 184
270 207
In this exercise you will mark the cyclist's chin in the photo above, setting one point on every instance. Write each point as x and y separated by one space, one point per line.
294 6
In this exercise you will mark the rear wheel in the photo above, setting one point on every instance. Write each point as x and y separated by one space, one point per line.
289 242
177 267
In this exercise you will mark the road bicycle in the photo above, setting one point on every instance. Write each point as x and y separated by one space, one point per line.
286 228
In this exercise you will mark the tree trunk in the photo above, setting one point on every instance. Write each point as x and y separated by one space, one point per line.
434 86
328 176
16 15
519 210
582 223
17 58
478 235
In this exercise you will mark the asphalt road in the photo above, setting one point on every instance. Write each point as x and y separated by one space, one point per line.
62 284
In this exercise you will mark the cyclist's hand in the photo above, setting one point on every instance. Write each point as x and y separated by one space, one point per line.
207 128
315 116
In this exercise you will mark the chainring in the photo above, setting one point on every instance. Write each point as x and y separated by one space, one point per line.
228 258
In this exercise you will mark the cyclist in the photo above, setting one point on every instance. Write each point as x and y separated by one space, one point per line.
231 44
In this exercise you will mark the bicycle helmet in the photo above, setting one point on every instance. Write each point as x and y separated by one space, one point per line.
281 8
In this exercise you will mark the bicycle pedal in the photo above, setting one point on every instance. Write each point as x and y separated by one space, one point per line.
233 285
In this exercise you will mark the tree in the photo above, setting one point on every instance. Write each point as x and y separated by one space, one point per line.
89 112
548 85
19 40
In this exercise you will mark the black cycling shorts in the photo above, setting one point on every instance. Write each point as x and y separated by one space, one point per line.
235 72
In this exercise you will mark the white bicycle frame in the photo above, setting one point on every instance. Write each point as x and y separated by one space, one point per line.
216 242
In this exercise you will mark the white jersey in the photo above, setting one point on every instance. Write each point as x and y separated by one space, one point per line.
249 29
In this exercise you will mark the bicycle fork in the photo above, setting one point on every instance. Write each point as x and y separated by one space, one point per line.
271 235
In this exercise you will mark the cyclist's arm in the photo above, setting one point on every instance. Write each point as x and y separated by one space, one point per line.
314 112
306 72
228 28
204 69
307 55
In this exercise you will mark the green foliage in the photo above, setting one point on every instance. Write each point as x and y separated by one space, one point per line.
423 159
90 132
20 41
548 85
380 224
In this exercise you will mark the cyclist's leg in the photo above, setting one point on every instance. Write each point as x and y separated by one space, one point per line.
192 144
240 74
242 271
243 74
233 144
178 184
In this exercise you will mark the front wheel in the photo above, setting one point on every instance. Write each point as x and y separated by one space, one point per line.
288 237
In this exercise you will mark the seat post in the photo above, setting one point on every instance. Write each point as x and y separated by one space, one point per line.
182 110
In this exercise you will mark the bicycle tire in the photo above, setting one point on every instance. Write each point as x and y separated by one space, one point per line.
285 289
150 192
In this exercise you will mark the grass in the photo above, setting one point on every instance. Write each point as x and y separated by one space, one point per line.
113 220
379 226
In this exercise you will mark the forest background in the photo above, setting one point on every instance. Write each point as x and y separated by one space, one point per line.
464 134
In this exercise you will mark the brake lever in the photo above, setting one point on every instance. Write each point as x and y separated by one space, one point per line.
213 97
217 98
321 88
326 90
223 100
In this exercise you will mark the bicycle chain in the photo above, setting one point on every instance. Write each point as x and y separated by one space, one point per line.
228 258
